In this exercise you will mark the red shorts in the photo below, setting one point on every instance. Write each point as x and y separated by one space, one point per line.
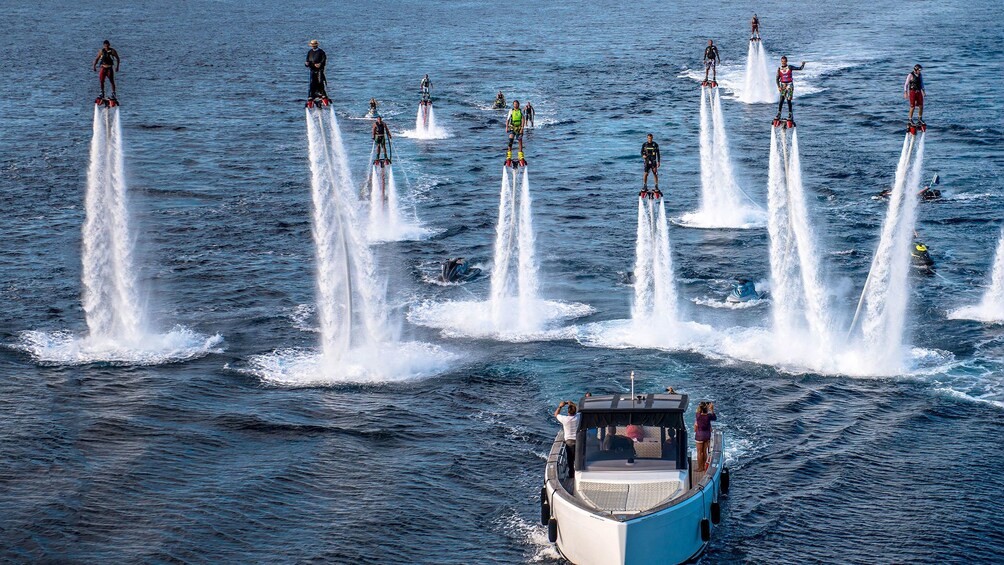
916 98
106 72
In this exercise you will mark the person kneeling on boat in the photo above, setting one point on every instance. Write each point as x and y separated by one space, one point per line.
702 432
570 423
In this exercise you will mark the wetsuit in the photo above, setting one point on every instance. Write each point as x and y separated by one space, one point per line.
650 151
426 87
710 58
514 123
786 85
317 78
528 111
914 87
107 58
380 134
756 28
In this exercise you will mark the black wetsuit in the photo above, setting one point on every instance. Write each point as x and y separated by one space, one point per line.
380 134
650 151
710 56
317 79
528 114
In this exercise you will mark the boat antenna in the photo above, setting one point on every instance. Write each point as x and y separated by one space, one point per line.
632 387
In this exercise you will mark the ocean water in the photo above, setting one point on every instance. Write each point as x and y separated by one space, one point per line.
203 461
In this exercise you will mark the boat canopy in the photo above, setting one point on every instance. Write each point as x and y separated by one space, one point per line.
664 410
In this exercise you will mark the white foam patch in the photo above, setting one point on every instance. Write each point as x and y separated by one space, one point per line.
988 314
712 302
647 334
478 319
379 363
703 220
804 355
64 348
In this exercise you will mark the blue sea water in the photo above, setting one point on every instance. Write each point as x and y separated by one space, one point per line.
202 462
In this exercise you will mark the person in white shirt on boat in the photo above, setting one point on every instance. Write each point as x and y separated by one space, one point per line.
570 423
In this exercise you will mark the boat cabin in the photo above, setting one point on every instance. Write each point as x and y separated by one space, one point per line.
620 432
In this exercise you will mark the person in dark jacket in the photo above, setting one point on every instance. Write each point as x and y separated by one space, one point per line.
316 60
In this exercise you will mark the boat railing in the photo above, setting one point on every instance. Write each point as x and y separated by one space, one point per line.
556 478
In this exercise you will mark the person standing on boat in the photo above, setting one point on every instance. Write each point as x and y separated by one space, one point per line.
702 432
570 423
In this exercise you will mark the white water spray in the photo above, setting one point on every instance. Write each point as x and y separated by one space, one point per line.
991 308
514 310
723 203
514 272
885 296
110 294
654 289
351 313
117 321
758 86
357 343
385 212
800 300
426 126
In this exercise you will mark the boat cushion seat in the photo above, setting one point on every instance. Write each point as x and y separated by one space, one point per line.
628 497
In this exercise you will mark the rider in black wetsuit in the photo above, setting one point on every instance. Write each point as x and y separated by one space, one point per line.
650 153
528 113
381 133
426 89
316 60
107 57
711 59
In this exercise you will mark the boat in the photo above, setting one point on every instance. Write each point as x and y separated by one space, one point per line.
635 495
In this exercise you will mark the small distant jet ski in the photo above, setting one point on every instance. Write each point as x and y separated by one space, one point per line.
499 102
926 194
921 256
106 101
744 291
458 270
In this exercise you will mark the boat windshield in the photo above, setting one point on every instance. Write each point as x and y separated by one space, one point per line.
643 447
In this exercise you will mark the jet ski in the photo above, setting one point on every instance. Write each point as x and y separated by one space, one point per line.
458 270
921 256
372 113
745 291
499 104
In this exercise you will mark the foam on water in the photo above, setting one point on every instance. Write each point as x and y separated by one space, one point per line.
501 321
64 348
391 361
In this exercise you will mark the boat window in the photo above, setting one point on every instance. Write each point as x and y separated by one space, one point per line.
634 442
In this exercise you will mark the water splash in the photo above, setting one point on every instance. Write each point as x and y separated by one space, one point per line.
991 308
758 84
723 203
357 343
388 220
117 320
426 126
654 319
514 310
887 288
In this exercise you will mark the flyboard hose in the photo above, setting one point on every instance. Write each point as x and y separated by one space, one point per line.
864 290
744 193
